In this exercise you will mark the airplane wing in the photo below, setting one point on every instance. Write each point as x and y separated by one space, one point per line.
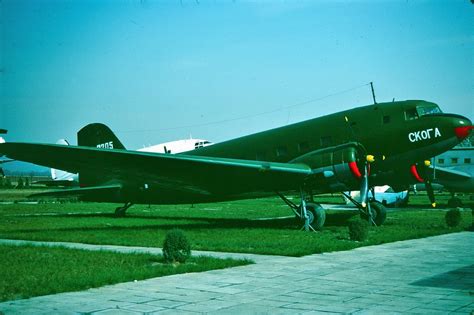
454 180
450 174
197 174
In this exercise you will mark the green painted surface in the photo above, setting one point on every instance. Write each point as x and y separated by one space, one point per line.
313 154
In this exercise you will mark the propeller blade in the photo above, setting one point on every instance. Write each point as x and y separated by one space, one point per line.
428 176
364 187
429 190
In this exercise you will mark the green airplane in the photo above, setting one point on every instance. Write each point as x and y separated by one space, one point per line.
385 143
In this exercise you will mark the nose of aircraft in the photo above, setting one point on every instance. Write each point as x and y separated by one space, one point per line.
463 127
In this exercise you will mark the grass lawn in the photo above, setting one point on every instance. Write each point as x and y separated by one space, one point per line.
27 271
251 226
229 226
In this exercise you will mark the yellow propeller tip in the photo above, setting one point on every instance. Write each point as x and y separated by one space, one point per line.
427 163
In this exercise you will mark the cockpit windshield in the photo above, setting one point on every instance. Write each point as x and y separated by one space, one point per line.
428 109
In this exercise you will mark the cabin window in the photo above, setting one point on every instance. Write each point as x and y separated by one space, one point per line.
467 160
326 141
440 161
411 114
454 160
281 151
386 119
303 147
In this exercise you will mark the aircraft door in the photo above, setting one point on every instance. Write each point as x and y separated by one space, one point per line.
390 122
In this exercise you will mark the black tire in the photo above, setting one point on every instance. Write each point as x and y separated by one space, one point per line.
454 202
120 212
317 215
379 213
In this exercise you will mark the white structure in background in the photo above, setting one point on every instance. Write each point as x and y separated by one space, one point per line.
177 146
384 194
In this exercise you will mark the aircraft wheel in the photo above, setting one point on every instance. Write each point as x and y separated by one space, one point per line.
317 215
120 212
454 202
379 212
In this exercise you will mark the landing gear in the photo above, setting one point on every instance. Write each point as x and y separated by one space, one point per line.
378 213
120 211
316 216
374 212
311 214
454 202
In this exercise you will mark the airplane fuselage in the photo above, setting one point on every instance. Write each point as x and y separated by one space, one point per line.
396 133
325 154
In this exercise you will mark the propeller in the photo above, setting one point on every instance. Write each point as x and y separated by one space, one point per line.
428 176
364 186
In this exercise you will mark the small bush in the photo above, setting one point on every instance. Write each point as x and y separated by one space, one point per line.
453 217
176 247
358 230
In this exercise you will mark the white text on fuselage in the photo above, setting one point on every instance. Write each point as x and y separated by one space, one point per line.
107 145
424 134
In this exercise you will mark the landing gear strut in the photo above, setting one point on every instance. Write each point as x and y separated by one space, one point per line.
454 202
120 211
312 214
374 212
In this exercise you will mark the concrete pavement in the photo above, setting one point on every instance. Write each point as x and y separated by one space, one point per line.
433 275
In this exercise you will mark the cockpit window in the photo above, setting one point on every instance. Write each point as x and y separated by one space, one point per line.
427 110
411 114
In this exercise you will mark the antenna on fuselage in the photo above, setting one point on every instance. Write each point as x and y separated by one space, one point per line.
373 93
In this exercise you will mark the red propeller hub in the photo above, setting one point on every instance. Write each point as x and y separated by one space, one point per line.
463 132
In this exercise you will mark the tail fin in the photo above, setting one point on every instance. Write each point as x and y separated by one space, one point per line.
98 135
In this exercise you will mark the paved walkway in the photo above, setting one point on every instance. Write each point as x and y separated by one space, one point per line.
433 275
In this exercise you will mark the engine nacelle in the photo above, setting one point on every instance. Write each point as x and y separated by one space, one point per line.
334 168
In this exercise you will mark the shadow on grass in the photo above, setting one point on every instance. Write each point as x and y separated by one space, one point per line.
332 219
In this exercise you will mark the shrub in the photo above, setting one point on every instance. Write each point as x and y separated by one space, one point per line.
176 247
453 217
20 184
358 230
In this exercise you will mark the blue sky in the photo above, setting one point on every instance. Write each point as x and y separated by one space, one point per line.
156 71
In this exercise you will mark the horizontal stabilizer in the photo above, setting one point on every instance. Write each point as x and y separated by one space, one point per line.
79 192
